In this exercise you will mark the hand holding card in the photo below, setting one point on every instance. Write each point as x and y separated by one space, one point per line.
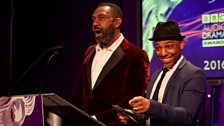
130 115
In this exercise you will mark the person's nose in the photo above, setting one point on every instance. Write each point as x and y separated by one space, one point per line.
163 51
95 22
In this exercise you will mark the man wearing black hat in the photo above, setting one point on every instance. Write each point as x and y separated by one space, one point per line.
176 91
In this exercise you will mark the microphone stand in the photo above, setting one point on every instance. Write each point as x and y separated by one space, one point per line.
46 70
31 66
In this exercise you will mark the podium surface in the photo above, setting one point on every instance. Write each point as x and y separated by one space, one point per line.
34 109
69 113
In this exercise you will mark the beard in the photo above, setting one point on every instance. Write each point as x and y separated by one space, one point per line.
105 38
102 40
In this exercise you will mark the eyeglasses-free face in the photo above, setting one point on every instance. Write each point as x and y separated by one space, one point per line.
168 51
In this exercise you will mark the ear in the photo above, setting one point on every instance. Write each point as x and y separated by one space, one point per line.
117 22
181 45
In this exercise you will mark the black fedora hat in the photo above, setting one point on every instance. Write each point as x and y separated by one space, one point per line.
167 31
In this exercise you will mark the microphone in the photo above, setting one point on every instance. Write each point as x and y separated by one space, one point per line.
55 48
46 70
34 63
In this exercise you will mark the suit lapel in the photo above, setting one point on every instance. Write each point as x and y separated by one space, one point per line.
113 60
170 82
152 82
88 67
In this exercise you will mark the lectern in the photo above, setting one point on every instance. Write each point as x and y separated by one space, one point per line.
42 110
69 114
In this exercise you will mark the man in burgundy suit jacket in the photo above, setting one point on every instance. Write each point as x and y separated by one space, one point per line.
113 70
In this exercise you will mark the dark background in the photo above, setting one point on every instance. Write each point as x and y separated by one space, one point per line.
29 27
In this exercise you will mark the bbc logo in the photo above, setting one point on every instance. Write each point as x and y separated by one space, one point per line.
212 18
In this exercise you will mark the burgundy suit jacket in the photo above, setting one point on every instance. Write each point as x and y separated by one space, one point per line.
124 76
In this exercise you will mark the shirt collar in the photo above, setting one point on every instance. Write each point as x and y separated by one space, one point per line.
177 64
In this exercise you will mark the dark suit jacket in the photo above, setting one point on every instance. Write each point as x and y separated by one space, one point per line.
125 75
182 98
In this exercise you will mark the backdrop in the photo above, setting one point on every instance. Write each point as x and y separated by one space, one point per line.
32 27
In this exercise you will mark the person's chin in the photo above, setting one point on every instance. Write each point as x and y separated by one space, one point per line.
103 43
167 63
99 40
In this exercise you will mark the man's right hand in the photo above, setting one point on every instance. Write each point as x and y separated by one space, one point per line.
140 104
